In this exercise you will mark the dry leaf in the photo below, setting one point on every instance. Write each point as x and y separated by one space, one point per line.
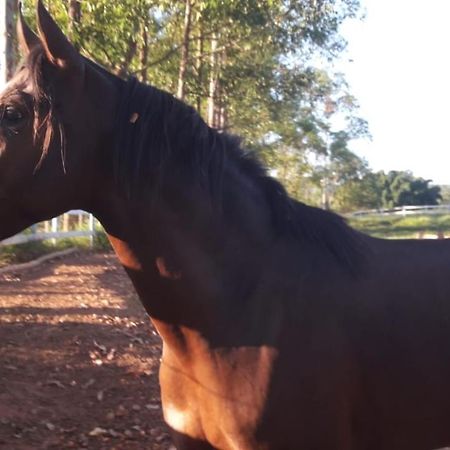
121 410
102 348
98 431
55 383
111 354
113 433
152 406
88 384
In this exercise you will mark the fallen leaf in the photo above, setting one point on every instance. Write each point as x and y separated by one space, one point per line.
121 410
152 406
111 354
98 431
55 383
113 433
50 426
88 384
102 348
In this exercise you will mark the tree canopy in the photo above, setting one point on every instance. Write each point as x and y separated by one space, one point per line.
388 190
256 68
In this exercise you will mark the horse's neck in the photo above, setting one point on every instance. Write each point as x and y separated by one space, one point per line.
192 267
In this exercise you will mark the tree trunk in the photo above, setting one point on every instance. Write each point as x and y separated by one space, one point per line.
222 118
326 193
181 91
213 83
221 106
131 52
199 64
144 53
8 55
74 16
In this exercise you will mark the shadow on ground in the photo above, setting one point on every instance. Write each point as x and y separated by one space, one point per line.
78 360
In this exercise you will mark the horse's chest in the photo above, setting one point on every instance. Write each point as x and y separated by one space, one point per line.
221 403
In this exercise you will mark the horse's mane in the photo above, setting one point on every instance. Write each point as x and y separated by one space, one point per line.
156 131
156 135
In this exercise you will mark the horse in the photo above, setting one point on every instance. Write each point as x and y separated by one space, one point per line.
282 327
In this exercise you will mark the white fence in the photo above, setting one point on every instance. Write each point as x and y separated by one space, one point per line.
404 211
62 227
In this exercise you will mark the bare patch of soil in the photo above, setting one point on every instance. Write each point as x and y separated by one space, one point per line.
78 360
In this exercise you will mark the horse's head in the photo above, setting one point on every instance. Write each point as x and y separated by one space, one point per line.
54 114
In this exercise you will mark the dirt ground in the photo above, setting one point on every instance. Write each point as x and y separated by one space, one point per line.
78 360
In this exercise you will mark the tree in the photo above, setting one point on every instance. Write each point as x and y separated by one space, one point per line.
445 194
185 47
8 40
359 194
401 188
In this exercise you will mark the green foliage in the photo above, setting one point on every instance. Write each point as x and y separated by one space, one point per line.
386 190
402 188
101 241
20 253
358 194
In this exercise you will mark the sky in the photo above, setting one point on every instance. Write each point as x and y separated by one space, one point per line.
398 67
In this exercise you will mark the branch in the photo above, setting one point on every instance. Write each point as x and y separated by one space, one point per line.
168 54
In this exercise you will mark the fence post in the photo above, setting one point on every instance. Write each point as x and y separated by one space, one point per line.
54 229
91 230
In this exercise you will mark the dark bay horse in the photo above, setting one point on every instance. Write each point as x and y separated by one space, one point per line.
283 328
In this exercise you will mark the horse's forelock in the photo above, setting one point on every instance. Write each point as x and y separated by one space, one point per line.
46 124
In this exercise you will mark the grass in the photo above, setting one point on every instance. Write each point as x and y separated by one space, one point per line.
397 227
17 254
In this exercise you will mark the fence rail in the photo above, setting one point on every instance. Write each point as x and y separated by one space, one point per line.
404 211
57 228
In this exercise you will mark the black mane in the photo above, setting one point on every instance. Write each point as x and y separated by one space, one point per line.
155 131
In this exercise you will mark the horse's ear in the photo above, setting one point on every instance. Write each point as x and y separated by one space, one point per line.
59 51
25 35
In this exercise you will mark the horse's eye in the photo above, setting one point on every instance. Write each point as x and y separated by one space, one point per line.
12 114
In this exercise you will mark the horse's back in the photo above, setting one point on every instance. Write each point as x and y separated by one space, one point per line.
399 327
365 354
